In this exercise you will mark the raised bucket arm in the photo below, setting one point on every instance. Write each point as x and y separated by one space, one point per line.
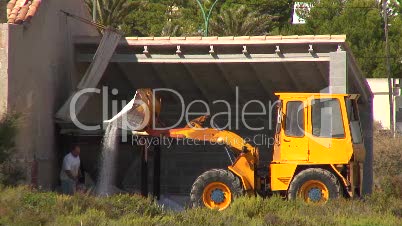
143 112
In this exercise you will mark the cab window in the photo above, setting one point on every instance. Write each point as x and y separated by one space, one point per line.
354 122
294 124
327 118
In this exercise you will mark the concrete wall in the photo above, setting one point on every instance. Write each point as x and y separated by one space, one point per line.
38 76
379 86
381 101
3 68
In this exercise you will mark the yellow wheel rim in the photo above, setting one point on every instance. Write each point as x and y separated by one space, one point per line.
314 191
217 195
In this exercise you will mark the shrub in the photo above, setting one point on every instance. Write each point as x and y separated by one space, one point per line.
8 132
124 204
10 173
387 167
91 217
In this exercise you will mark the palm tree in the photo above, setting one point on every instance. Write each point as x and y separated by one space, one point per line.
170 29
238 22
112 12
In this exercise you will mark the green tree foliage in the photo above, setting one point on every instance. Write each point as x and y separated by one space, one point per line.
183 18
170 29
362 22
3 11
239 21
395 36
165 17
280 10
112 12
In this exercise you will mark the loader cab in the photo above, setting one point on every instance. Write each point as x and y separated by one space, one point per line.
317 128
317 136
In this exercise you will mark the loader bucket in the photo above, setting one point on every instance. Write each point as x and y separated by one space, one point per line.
140 113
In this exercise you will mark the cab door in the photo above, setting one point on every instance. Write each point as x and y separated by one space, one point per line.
293 142
330 140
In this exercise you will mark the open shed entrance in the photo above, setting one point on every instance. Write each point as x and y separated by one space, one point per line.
232 69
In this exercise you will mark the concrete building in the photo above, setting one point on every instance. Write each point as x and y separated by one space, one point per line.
36 56
379 87
45 60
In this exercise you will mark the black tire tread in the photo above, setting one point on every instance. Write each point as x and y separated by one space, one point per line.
325 176
221 175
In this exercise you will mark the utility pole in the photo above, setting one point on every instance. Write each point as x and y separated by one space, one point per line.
388 66
206 16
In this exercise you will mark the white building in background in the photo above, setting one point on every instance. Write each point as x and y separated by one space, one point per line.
379 87
300 8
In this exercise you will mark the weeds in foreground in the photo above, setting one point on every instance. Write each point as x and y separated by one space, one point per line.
23 206
10 173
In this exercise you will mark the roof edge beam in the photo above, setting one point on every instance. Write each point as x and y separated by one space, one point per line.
207 58
213 40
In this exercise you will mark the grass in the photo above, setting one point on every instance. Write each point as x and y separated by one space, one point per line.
24 206
387 163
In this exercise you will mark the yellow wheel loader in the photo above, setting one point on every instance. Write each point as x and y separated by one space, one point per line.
318 152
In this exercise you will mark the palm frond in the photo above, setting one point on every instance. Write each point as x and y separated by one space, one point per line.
113 12
238 22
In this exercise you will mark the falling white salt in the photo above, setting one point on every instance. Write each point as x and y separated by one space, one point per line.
123 111
127 116
106 178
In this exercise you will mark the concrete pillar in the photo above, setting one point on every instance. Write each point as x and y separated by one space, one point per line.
338 72
366 118
338 78
157 171
3 68
144 170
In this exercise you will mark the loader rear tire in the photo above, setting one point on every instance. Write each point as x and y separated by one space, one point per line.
314 185
215 189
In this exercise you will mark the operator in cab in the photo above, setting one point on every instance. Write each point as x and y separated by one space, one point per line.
70 171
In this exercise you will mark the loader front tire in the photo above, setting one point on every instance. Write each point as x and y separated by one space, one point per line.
215 189
314 185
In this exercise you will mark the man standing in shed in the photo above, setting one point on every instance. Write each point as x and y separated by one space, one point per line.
70 171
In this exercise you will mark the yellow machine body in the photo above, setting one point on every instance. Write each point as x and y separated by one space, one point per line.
302 141
313 149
